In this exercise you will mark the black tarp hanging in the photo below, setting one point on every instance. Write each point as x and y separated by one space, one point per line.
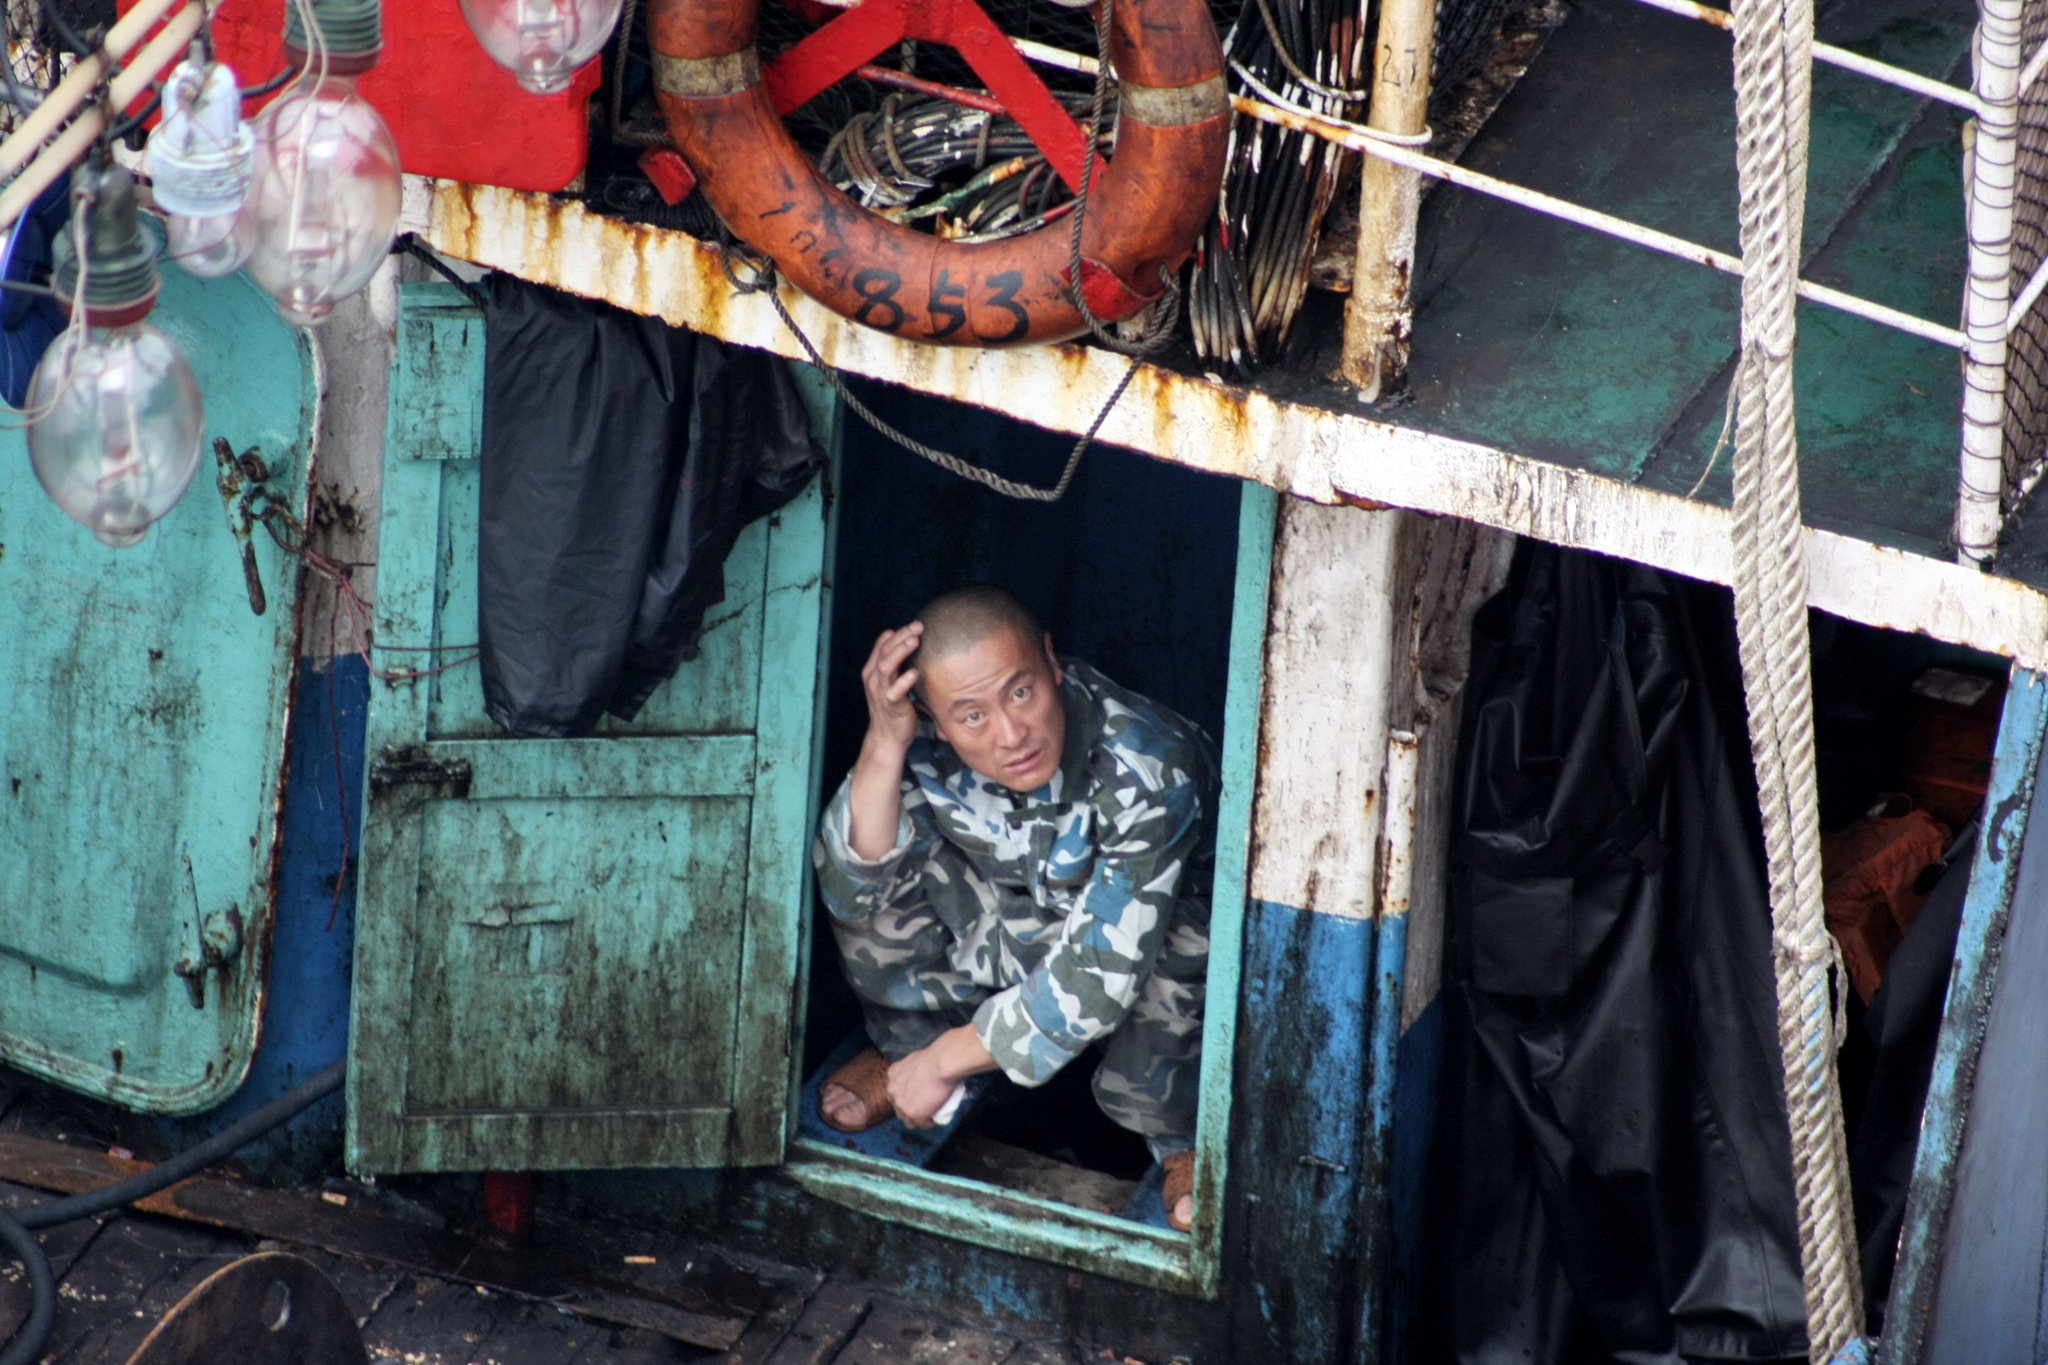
1619 1182
1904 1022
621 458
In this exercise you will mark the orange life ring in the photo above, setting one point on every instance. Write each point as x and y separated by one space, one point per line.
1144 213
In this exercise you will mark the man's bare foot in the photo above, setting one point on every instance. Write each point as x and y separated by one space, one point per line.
1178 1196
856 1096
844 1110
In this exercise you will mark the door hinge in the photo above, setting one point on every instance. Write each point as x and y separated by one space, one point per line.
220 943
244 483
410 765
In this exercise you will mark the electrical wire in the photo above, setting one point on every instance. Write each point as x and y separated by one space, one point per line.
53 15
73 336
16 1225
409 244
117 131
250 92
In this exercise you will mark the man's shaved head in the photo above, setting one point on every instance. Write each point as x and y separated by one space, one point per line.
987 679
957 621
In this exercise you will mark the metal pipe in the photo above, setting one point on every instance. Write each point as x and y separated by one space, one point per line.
1387 146
1403 791
1375 142
159 53
1925 86
1363 139
1987 301
903 80
2029 296
1379 315
2036 64
77 86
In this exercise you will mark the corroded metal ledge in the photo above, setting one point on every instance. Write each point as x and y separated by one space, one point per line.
1312 452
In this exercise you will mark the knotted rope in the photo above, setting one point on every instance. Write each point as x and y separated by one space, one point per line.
1773 87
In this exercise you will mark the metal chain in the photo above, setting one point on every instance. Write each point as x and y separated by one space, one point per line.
1156 322
764 283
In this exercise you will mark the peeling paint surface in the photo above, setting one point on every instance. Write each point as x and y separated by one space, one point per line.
143 708
1318 453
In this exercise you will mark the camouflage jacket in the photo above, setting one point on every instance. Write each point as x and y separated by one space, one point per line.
1058 901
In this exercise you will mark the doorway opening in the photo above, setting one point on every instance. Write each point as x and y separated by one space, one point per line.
1144 572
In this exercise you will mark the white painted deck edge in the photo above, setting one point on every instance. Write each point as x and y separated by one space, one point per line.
1222 428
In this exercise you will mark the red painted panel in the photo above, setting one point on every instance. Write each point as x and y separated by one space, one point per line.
455 113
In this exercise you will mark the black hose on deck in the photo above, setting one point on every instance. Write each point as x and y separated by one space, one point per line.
15 1223
42 1283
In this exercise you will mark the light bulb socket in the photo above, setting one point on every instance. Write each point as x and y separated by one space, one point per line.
352 32
121 280
201 154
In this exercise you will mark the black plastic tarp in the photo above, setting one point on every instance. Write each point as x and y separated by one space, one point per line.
1904 1022
621 458
1619 1180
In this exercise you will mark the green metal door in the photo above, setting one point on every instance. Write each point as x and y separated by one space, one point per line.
574 953
143 703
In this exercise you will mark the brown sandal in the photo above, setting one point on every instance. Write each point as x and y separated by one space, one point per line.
1180 1182
867 1076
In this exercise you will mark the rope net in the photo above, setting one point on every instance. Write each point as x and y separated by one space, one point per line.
36 62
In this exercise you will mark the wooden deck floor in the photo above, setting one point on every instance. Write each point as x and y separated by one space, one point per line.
119 1275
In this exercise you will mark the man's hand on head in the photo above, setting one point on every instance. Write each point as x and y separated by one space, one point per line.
877 797
892 715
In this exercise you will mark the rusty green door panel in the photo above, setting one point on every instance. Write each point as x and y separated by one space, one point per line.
574 953
142 720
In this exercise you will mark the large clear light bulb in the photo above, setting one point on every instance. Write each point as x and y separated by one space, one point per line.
325 199
116 428
200 161
542 42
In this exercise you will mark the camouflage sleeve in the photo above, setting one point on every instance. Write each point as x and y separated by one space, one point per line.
856 888
1110 940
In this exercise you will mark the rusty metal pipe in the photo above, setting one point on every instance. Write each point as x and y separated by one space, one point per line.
903 80
1380 313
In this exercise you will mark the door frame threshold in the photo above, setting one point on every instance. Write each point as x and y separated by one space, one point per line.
1006 1220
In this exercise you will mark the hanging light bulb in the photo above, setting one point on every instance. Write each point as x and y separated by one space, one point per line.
200 162
115 421
542 42
325 199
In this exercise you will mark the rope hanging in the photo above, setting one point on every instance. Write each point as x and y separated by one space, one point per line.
1773 87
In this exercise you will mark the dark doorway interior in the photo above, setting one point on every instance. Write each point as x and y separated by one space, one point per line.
1132 570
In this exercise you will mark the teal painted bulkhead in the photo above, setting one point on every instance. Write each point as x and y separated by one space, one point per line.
1137 570
143 708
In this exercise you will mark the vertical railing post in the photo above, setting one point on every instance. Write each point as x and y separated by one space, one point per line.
1989 292
1378 316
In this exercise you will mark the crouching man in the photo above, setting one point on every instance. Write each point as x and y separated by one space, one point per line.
1018 873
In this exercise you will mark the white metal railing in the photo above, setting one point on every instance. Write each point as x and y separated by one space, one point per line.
1271 108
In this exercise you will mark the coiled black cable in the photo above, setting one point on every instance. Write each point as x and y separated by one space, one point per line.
15 1224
